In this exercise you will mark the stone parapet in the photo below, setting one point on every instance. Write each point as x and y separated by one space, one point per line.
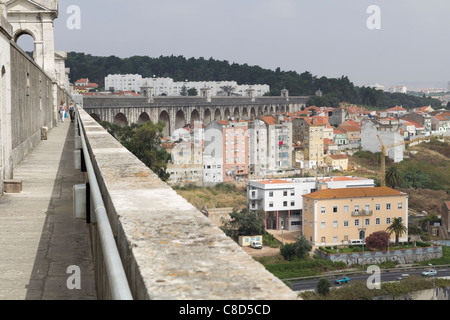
170 250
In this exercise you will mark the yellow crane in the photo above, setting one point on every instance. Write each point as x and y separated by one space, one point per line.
384 148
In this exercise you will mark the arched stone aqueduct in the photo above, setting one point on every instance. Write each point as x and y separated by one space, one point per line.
177 116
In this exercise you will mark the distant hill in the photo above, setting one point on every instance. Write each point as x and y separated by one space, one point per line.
179 68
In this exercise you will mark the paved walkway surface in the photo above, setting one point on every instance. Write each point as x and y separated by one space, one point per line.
39 237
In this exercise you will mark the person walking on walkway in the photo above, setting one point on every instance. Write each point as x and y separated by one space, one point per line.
62 110
72 112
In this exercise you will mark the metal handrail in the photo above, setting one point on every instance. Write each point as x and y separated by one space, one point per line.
118 282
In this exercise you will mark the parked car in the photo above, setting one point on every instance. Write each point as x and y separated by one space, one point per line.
256 245
342 280
429 272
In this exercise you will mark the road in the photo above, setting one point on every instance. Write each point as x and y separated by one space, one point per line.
305 285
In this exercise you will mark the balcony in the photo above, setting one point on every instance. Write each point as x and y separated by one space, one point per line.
362 213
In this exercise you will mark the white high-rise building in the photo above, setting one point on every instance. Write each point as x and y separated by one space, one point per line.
168 87
123 82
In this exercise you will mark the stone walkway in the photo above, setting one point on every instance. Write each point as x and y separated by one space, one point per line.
39 237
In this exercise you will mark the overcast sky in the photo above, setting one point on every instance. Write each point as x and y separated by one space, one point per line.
325 37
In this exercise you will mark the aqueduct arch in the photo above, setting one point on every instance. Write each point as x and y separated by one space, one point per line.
35 18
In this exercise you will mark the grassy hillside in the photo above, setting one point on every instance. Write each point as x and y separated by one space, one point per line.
221 196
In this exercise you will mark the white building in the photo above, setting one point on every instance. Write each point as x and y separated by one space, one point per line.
390 134
123 82
258 148
281 199
168 87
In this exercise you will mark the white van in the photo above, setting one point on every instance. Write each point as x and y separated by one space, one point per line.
356 242
256 244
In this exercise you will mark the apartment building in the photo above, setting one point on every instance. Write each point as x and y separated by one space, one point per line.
226 150
169 87
281 199
279 139
258 149
334 217
187 162
390 134
310 133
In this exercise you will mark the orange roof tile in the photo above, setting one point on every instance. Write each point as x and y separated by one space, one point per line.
269 120
353 193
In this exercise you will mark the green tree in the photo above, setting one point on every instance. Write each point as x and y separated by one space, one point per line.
192 92
398 228
394 177
298 249
144 141
323 287
243 223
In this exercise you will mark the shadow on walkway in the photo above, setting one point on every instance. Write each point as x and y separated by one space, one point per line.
64 240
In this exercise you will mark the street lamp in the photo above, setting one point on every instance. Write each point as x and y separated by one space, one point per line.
362 231
282 234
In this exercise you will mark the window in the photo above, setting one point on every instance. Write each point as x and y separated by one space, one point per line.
292 203
388 220
346 208
292 192
285 193
377 221
271 194
345 223
388 206
270 204
335 224
335 239
284 203
323 239
356 222
322 209
356 208
323 225
367 222
335 209
400 205
377 207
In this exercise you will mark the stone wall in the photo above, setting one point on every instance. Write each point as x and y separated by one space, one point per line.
403 256
169 249
28 101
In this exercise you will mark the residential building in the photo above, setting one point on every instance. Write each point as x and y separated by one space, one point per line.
420 117
440 123
371 133
213 154
353 130
337 161
279 139
226 150
395 112
169 87
334 217
340 137
123 82
281 201
309 132
258 147
235 146
186 164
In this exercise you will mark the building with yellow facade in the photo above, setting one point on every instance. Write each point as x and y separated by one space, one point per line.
334 217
